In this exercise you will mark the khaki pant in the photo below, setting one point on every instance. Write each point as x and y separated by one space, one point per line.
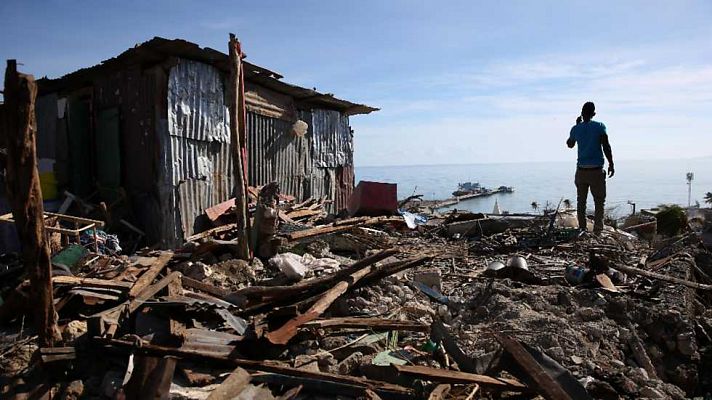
595 179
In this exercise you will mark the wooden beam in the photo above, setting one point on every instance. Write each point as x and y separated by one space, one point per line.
91 282
144 347
378 324
18 135
450 376
232 386
661 277
289 329
238 142
150 274
545 384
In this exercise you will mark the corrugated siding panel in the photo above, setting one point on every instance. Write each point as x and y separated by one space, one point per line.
332 140
197 157
274 154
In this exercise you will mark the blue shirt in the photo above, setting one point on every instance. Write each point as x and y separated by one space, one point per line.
588 138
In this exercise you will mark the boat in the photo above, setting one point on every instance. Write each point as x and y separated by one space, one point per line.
468 188
505 189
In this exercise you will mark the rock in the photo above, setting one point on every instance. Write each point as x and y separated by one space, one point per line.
557 353
628 385
602 390
73 391
651 393
482 312
111 383
686 344
430 278
590 314
306 363
564 299
198 271
350 363
73 330
444 313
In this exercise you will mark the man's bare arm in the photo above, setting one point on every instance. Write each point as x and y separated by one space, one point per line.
606 145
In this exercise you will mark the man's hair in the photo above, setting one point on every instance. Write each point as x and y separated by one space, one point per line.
588 109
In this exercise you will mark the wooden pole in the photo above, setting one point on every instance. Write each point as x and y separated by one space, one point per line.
238 140
25 197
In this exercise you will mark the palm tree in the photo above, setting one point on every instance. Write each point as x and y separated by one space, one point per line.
535 205
708 198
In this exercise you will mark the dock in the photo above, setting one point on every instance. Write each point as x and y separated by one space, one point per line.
457 199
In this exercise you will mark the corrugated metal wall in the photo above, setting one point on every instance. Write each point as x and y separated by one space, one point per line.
332 140
196 153
275 154
309 166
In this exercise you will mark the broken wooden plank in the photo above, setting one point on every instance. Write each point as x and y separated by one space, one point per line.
211 232
661 277
376 324
545 384
440 392
176 329
289 329
303 213
144 347
113 317
91 282
232 386
450 376
328 229
149 275
440 334
151 378
291 393
314 283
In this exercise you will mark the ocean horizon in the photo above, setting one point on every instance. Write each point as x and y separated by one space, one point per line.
647 183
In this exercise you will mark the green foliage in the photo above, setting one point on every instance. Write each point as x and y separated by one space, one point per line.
708 198
671 219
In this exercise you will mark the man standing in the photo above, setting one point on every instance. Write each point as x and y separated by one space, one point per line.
592 141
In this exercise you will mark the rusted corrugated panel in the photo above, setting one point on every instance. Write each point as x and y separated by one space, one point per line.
275 154
196 154
344 186
332 140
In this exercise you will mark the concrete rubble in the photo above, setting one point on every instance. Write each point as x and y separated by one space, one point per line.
366 307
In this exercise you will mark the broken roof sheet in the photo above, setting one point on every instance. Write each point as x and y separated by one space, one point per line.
159 49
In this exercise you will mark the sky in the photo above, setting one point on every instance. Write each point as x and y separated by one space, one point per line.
456 81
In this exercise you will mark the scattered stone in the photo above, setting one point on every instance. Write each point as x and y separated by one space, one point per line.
74 330
350 363
431 278
651 393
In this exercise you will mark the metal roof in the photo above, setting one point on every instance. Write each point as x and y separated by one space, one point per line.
160 49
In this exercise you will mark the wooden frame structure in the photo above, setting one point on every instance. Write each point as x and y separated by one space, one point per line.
52 225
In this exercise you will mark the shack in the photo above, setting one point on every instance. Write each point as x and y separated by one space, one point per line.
147 133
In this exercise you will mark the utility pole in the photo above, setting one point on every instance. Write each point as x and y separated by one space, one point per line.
238 141
19 129
690 177
632 204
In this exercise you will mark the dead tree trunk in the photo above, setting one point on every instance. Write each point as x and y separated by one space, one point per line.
25 196
238 139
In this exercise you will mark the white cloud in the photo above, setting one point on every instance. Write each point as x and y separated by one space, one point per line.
652 110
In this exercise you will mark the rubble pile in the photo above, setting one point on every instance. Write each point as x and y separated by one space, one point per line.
460 306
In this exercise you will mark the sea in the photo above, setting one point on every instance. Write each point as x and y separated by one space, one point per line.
647 183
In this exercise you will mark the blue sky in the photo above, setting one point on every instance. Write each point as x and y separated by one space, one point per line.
457 81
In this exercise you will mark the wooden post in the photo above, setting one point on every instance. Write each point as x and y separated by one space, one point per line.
25 197
238 140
